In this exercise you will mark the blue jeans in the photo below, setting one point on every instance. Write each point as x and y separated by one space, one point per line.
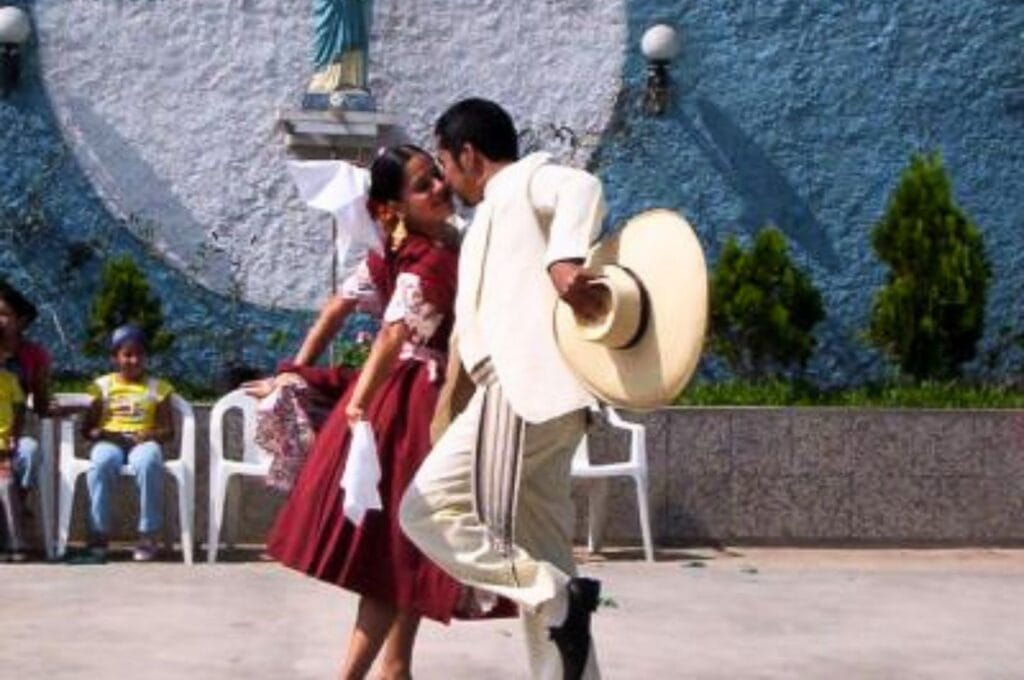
147 463
27 458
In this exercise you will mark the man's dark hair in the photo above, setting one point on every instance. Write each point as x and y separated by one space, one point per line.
482 124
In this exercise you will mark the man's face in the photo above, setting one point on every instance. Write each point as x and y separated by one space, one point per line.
459 177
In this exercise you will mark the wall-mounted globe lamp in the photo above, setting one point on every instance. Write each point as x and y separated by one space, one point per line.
660 45
14 31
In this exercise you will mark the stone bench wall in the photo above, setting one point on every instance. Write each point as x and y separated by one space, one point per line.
765 476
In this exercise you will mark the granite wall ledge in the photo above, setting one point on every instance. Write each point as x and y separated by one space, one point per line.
768 476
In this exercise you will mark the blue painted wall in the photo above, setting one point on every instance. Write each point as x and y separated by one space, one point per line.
803 114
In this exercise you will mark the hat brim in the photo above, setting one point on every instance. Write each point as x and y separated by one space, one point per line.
661 250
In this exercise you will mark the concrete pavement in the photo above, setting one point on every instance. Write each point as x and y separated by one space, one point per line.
738 613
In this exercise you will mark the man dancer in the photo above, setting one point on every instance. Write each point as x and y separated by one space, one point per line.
491 502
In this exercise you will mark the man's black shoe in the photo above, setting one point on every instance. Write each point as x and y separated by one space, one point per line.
573 637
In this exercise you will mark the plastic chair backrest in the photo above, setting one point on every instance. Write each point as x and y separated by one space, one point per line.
238 399
637 440
187 433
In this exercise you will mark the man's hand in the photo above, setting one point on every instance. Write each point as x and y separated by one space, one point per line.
575 287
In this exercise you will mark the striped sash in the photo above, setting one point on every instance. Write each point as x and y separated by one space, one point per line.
497 459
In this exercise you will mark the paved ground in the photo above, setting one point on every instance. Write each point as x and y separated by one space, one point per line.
740 613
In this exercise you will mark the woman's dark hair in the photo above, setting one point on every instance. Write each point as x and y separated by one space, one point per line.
482 124
23 309
387 174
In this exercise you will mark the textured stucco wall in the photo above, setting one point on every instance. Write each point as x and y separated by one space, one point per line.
804 114
146 127
171 113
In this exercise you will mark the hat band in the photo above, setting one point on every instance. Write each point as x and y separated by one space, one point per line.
625 319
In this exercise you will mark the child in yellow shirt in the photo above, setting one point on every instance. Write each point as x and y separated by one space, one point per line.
12 404
129 420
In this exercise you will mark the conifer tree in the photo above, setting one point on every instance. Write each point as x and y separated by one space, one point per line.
124 296
763 308
930 313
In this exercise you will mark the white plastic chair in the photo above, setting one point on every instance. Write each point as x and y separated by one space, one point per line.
181 468
44 484
255 462
635 467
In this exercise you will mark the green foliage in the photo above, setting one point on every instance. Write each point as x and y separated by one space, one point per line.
929 315
124 296
951 394
763 309
352 353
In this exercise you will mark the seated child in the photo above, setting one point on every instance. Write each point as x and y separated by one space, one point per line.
30 363
12 401
129 419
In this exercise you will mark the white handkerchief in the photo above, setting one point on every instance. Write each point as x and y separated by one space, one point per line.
361 475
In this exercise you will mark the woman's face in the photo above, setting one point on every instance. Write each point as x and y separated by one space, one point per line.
426 201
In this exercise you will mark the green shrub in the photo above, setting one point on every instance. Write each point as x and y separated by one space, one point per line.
124 296
953 394
763 308
930 313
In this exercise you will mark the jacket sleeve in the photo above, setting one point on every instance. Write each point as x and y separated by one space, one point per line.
573 201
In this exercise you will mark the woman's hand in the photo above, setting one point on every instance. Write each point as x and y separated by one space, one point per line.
354 414
259 388
263 387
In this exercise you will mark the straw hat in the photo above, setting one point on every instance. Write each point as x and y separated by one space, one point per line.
643 350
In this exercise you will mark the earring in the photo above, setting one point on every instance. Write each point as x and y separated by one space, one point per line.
399 234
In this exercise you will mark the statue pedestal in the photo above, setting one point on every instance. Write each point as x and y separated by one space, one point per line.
335 133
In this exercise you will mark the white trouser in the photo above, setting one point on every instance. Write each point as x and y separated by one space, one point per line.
438 514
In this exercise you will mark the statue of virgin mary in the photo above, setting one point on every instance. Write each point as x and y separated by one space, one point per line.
340 45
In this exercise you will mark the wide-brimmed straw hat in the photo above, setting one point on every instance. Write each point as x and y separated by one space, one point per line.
642 351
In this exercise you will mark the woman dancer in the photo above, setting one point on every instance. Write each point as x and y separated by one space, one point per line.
395 392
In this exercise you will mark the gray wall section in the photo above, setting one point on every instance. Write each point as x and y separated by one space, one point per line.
767 476
827 476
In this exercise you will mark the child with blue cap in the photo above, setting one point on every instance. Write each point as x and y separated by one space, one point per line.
129 421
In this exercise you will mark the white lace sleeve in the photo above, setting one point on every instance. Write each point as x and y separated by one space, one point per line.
359 286
408 305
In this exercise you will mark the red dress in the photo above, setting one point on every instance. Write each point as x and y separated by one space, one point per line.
311 534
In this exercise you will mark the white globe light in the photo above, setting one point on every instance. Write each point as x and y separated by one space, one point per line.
660 43
14 26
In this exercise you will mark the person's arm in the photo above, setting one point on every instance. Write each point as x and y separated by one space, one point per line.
91 420
41 391
574 202
328 323
330 320
378 366
163 429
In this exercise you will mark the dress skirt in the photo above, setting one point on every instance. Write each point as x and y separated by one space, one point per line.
311 533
